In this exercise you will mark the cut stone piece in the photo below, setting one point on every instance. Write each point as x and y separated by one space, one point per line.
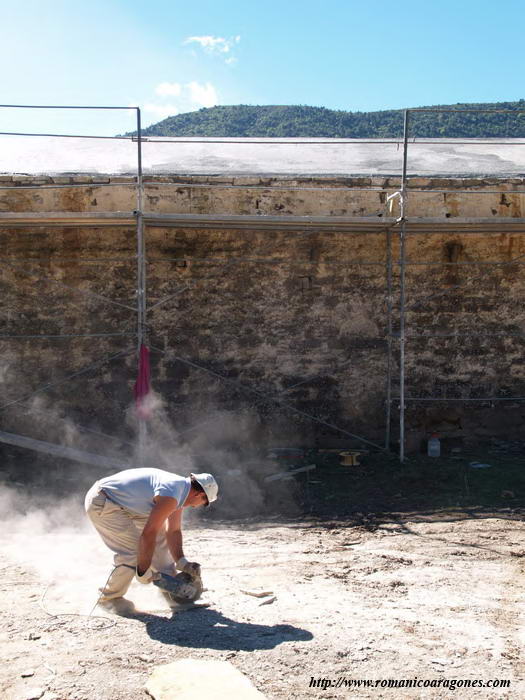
268 601
257 594
32 694
193 679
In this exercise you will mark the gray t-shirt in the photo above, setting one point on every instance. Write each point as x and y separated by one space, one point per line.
135 489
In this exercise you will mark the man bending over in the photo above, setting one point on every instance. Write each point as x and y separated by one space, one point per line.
138 514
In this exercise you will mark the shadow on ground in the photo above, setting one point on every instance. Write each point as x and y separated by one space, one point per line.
206 628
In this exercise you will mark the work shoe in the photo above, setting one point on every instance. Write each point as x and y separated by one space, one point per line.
118 606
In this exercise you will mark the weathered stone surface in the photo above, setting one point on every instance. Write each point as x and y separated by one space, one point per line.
301 316
303 196
198 679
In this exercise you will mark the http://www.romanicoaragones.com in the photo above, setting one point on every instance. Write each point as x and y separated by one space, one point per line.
449 684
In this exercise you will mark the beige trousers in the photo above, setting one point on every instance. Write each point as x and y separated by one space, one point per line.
120 530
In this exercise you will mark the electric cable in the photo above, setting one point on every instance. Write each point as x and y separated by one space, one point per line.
88 617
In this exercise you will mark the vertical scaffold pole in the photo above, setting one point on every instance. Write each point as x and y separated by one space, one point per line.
402 261
141 278
388 408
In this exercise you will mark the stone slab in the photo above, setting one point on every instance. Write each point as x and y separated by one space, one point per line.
199 679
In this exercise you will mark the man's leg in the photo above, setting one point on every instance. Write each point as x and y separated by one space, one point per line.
120 531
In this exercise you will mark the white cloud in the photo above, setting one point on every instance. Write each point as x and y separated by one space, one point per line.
215 45
161 111
204 95
168 89
188 97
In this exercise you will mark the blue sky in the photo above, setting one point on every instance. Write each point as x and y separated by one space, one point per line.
169 56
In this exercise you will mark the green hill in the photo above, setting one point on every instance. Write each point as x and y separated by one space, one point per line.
303 121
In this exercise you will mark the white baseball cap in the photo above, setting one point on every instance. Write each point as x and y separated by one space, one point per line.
210 486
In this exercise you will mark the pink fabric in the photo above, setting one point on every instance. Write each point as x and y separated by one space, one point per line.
142 385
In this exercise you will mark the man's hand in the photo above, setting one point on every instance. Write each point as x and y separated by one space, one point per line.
147 577
189 567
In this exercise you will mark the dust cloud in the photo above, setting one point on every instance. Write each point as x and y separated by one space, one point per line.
44 526
226 444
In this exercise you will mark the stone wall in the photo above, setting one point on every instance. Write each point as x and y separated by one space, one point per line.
304 196
298 316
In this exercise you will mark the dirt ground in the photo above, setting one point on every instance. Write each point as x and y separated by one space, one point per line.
435 596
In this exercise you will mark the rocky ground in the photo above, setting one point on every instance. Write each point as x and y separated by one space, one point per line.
433 595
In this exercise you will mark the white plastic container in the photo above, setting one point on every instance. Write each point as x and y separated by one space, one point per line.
434 446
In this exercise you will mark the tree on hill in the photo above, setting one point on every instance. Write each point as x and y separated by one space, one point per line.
274 121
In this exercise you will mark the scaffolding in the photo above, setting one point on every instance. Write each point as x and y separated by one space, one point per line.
393 228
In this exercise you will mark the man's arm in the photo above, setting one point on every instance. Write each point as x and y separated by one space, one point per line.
174 539
160 512
174 534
